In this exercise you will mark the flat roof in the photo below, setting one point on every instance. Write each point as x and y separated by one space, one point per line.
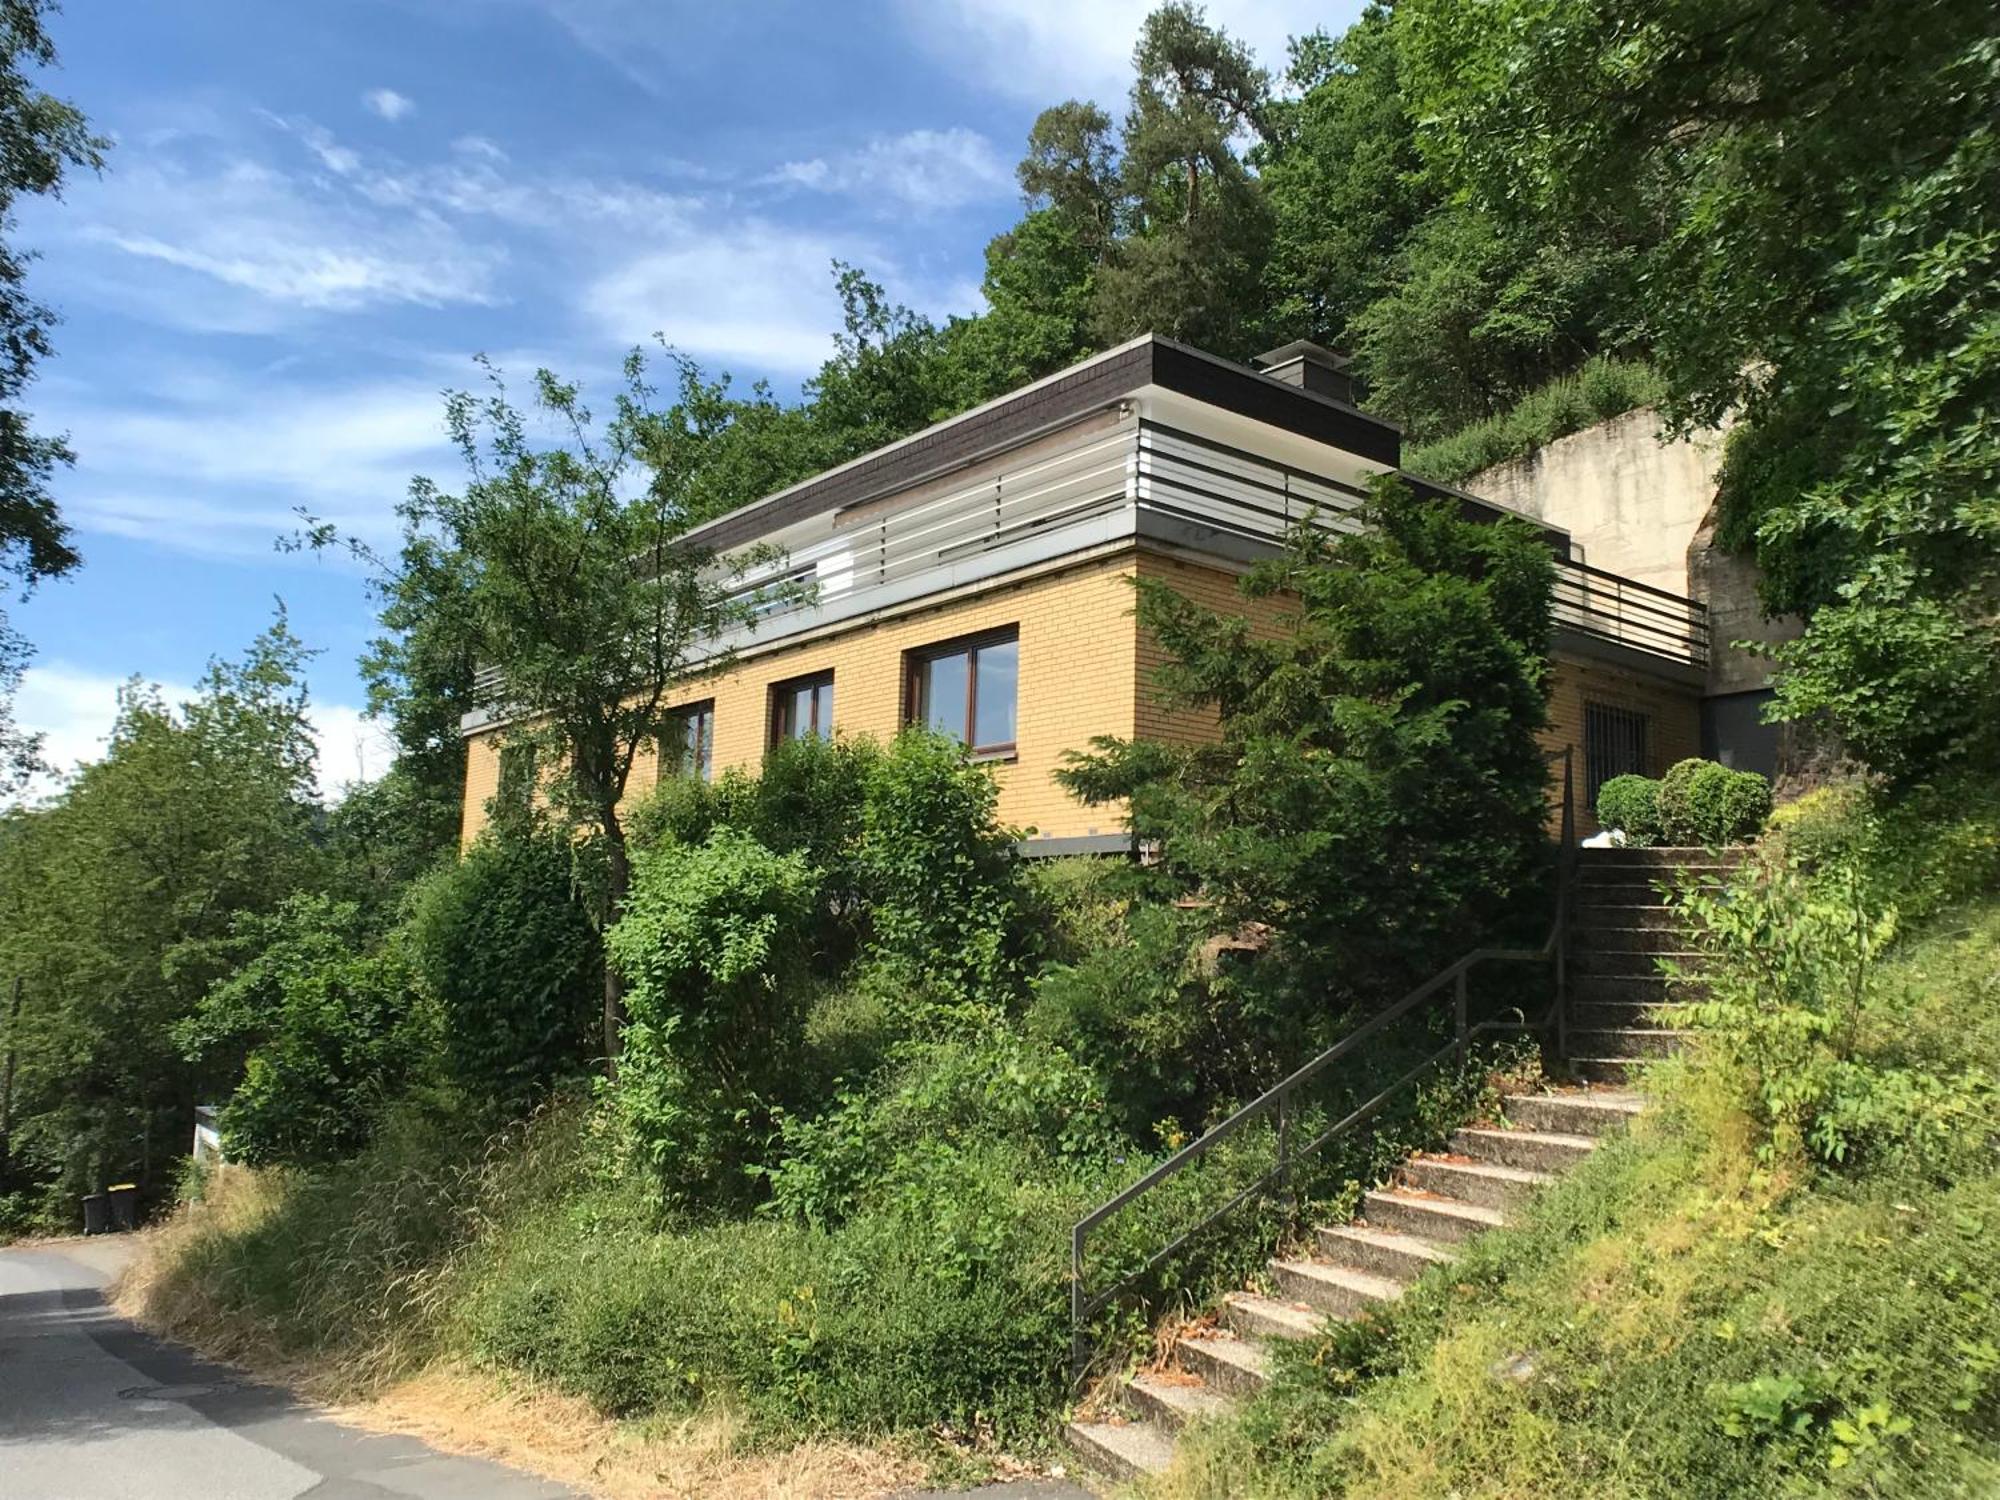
1087 386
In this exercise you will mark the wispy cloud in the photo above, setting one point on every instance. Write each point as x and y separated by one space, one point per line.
221 468
922 169
389 104
751 291
1043 51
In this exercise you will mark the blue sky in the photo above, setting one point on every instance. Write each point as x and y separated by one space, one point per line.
313 215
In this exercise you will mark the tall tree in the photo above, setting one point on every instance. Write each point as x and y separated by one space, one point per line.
1197 227
41 139
565 557
122 899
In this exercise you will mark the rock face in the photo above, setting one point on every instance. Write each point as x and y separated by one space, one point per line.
1644 508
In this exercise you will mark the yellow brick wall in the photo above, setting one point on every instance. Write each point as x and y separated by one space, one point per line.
1078 678
1673 730
1085 670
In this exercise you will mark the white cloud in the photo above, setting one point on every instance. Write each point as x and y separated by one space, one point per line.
924 169
389 104
218 467
74 709
749 291
284 239
1044 51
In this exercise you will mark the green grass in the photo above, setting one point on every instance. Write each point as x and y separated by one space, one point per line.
1676 1320
1602 388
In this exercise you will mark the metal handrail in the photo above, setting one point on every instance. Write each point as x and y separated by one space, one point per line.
1084 1304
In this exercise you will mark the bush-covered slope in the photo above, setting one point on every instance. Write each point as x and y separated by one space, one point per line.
1785 1282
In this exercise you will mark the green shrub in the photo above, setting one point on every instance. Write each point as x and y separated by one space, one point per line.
939 870
503 946
1376 799
1702 803
327 1031
1631 804
714 944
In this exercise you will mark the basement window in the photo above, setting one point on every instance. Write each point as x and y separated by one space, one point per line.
968 689
802 708
1614 744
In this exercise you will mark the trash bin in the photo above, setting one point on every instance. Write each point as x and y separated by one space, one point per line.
96 1213
124 1198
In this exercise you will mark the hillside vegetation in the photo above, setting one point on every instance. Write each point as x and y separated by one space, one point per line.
1782 1283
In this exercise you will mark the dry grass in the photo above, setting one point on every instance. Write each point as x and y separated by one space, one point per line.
461 1410
562 1438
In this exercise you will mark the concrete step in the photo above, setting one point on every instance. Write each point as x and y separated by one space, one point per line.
1444 1221
1122 1450
1608 1070
1479 1183
1597 1112
1590 919
1604 1015
1651 941
1255 1317
1234 1366
1381 1252
1622 896
1661 854
1649 1041
1535 1150
1334 1290
1588 961
1635 989
1173 1402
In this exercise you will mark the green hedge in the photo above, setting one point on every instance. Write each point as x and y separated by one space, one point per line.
1599 390
1696 803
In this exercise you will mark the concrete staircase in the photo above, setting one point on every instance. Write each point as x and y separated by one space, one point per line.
1621 1011
1436 1203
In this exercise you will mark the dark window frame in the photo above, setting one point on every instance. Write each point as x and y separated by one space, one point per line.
780 706
916 710
1617 741
701 753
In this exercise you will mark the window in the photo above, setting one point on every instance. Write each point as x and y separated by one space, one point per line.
802 707
687 745
967 689
1614 744
516 791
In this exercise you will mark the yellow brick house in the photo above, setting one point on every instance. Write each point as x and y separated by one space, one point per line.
975 576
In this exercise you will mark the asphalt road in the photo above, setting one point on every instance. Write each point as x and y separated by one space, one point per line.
93 1409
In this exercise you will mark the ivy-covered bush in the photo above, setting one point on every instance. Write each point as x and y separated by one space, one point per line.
1631 804
714 945
1702 803
504 947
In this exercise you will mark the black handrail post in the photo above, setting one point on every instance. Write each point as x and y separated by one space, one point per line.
1565 878
1079 1352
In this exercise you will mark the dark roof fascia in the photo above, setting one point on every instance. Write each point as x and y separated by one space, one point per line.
1050 403
1472 508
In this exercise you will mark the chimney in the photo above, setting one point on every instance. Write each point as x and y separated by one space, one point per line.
1311 367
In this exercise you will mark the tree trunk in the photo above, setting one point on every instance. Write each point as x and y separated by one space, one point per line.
617 882
7 1082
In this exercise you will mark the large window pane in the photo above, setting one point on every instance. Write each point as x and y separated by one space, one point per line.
993 705
946 681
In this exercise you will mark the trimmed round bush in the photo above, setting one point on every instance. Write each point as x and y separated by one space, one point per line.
1678 822
1702 803
1741 801
1631 805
